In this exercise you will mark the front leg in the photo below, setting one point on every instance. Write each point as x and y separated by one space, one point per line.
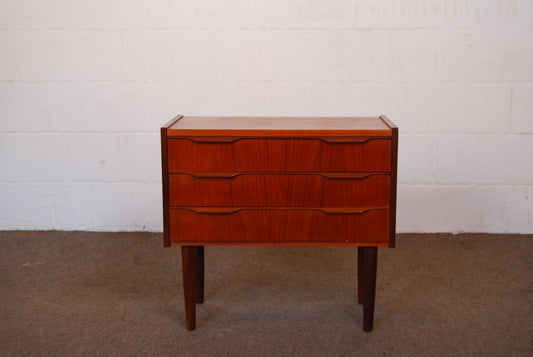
189 285
360 269
370 259
199 273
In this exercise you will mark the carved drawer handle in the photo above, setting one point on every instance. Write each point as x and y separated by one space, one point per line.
325 210
346 140
213 175
329 140
213 140
327 175
213 210
339 211
346 175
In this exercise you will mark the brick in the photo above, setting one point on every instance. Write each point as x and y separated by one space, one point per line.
26 206
448 108
458 56
147 106
519 210
60 56
484 56
169 55
522 109
257 55
276 14
455 209
343 55
80 157
286 98
266 55
417 109
17 14
81 206
524 18
228 56
415 160
109 207
484 160
93 107
428 55
218 56
436 14
423 109
30 107
119 14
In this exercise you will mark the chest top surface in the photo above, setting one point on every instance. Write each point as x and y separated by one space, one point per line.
280 126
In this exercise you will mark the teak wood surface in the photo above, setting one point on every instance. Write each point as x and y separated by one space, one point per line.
283 181
279 190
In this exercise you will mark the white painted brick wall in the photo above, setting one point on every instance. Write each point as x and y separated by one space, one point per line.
521 109
60 56
80 157
454 208
487 159
85 86
119 14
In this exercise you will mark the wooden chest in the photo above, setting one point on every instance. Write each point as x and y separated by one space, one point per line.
280 181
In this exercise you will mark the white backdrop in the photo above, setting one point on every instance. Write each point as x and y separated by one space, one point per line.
86 84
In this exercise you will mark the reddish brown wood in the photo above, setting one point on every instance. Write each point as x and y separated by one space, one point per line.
360 290
393 185
370 256
173 121
280 126
279 155
164 167
189 284
280 190
283 181
199 273
278 225
371 156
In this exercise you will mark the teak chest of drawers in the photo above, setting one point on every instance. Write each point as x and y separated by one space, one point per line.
279 181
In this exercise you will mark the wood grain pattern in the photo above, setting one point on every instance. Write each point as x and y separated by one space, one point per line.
273 226
279 155
360 277
282 181
280 126
188 266
271 190
165 186
394 178
370 257
199 274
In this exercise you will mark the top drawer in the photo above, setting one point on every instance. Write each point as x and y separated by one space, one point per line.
222 154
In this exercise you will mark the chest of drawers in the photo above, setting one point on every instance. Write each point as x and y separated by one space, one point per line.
279 181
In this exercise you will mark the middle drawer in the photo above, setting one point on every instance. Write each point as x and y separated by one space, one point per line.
280 190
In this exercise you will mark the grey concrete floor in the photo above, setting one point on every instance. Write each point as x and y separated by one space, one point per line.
115 294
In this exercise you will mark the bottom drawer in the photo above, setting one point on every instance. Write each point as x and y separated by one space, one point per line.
207 225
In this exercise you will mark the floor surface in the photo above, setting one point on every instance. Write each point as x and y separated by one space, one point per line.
116 294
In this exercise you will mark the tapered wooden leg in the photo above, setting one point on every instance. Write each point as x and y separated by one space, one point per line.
189 290
370 259
199 273
360 290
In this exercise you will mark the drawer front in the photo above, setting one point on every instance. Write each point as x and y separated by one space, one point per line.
289 226
287 155
280 190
